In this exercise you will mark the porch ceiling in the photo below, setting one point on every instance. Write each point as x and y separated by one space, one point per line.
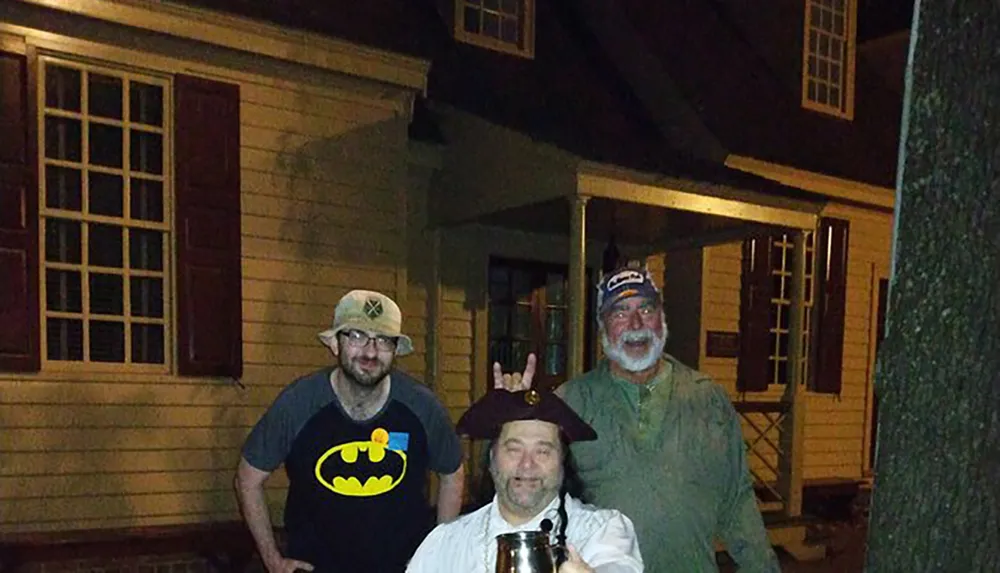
664 213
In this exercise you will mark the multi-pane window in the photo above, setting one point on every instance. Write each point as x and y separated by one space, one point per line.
828 61
105 206
528 312
783 261
505 25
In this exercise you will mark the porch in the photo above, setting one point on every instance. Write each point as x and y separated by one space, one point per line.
692 208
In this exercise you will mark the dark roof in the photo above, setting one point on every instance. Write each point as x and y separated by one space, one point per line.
751 110
570 94
566 95
400 26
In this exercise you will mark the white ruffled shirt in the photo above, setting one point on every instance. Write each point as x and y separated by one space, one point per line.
604 538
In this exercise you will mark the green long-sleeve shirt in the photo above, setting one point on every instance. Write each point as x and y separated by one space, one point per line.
671 456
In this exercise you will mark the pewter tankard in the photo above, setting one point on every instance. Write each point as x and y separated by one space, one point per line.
525 552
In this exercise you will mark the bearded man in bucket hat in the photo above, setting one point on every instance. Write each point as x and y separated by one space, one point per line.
670 450
357 440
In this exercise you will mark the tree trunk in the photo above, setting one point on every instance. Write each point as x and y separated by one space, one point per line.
937 491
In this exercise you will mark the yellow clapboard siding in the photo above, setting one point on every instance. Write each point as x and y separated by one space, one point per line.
456 363
299 121
453 294
455 310
118 440
414 365
319 99
110 506
268 182
265 290
307 356
455 399
840 458
832 445
459 346
819 403
124 416
128 483
91 389
292 250
717 294
456 328
346 275
271 228
414 326
838 417
853 430
851 471
270 333
287 137
316 316
310 217
27 465
263 381
43 524
381 173
319 243
455 381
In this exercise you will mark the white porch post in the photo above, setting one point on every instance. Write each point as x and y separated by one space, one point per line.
577 285
793 428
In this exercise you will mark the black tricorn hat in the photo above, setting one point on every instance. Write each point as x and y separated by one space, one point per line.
484 419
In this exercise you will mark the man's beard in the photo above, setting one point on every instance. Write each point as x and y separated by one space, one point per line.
366 379
524 503
617 353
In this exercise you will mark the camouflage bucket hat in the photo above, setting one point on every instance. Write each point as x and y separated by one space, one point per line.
371 312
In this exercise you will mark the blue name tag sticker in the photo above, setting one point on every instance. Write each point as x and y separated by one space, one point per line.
398 441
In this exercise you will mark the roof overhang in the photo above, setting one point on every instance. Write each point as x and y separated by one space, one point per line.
254 37
656 213
704 198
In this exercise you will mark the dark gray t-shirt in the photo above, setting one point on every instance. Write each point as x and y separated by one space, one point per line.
356 495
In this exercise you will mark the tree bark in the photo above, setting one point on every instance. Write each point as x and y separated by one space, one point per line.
937 489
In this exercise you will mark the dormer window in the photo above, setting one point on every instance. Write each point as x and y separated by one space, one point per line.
502 25
828 57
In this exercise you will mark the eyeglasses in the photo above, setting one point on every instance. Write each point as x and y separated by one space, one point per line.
359 339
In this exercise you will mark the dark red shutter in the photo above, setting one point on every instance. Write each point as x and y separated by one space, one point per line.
19 311
831 302
209 290
756 285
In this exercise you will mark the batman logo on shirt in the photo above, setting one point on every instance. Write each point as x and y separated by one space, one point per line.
364 468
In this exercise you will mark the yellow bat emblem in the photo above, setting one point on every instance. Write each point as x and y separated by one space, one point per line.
363 468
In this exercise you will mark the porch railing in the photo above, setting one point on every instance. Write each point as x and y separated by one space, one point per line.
763 424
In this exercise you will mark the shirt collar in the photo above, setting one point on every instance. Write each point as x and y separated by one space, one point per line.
498 525
664 373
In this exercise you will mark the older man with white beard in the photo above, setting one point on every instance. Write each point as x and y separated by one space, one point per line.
670 452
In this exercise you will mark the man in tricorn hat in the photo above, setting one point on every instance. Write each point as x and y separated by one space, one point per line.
528 463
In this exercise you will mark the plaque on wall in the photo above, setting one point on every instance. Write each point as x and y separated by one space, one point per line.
721 344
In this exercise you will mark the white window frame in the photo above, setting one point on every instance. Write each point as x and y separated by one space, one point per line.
781 303
166 227
525 48
820 32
